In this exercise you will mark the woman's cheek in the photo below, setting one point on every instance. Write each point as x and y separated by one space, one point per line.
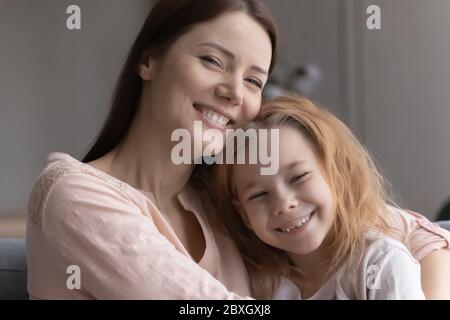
252 107
196 76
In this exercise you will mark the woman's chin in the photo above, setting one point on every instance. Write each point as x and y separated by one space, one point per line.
211 149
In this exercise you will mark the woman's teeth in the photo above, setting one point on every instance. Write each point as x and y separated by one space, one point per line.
296 226
215 117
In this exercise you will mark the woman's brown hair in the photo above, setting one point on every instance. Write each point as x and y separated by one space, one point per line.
168 20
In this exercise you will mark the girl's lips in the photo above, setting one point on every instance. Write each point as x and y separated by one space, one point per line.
296 224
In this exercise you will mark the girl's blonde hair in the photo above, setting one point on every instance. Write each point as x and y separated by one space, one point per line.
357 187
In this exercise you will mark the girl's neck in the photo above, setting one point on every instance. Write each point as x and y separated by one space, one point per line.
313 266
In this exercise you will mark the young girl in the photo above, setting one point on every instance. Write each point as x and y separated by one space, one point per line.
319 226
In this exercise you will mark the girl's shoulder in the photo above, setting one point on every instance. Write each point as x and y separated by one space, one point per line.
378 245
382 268
378 251
59 170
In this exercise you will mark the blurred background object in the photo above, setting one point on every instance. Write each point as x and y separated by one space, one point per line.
444 213
303 80
390 86
12 225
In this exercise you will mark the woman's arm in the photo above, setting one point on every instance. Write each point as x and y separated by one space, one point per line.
429 244
120 252
436 275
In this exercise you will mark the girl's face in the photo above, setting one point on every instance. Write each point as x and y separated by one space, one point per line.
214 73
292 210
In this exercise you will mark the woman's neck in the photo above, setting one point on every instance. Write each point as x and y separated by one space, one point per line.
143 160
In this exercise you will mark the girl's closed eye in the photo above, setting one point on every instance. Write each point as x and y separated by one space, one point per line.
257 195
299 177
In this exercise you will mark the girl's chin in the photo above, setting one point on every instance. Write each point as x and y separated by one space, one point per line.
304 248
305 251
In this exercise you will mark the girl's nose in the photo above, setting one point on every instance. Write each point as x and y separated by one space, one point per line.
285 203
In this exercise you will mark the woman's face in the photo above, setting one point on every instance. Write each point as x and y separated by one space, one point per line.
292 210
214 73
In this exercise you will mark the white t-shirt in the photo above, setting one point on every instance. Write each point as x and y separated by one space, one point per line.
387 271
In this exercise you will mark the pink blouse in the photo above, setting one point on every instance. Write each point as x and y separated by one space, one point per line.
121 243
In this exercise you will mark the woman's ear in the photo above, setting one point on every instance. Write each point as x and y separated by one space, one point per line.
242 213
147 67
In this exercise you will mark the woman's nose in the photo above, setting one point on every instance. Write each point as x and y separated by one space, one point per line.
231 90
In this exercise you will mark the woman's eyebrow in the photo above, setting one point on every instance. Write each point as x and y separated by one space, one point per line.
230 54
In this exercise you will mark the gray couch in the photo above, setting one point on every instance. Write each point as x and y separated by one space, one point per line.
13 267
13 270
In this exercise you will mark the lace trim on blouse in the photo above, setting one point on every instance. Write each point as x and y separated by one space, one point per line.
58 166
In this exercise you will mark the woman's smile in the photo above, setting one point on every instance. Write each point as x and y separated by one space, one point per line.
214 116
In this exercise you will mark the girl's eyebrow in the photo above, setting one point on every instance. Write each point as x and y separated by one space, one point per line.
248 186
230 55
294 164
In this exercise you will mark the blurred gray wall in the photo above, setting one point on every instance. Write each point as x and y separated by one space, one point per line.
56 84
406 99
309 33
390 86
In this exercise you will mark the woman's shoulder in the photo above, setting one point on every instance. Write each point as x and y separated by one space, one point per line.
70 176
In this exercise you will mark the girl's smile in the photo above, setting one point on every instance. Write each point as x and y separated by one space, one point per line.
296 225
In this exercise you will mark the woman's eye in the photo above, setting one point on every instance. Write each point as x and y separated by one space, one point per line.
298 177
211 60
257 195
256 83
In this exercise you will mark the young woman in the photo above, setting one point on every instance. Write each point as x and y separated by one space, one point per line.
321 220
136 224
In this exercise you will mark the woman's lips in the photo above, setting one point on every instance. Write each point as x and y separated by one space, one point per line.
213 115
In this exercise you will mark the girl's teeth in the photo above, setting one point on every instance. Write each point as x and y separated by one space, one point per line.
297 225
